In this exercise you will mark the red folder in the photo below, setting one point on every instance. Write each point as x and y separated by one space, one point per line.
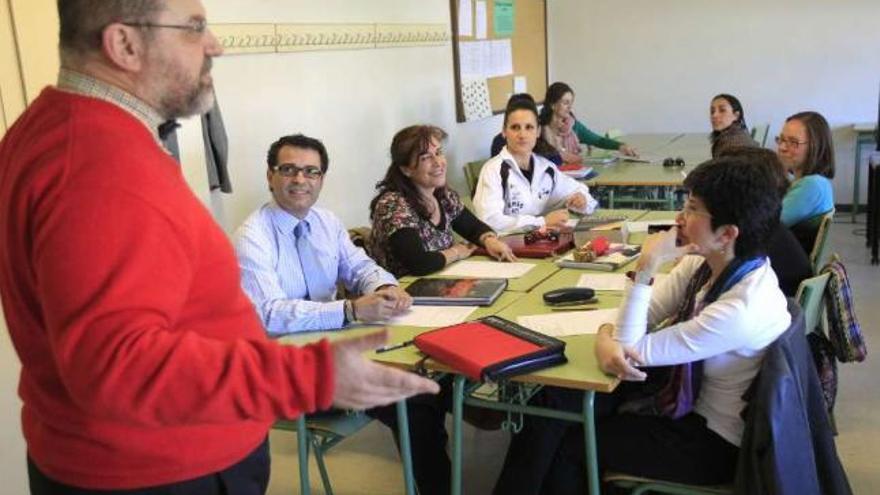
539 249
491 348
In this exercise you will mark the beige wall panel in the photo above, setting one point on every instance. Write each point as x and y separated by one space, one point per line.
12 101
36 26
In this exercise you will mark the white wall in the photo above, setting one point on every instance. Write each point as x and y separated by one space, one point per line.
352 100
648 66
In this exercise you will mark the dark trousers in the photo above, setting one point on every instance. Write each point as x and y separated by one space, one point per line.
547 456
427 430
250 476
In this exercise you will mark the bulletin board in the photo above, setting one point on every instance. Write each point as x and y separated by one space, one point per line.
499 47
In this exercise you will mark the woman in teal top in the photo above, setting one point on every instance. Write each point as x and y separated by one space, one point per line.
564 132
805 148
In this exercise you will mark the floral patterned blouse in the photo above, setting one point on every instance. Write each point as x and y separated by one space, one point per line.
393 213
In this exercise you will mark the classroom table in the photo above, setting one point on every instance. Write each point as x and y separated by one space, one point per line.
522 298
864 135
693 148
397 334
580 373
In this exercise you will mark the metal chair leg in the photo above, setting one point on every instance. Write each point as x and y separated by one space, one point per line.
322 467
302 442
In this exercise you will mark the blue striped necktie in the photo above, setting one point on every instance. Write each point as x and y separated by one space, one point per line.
317 284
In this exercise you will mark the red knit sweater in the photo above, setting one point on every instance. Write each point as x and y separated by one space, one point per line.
143 362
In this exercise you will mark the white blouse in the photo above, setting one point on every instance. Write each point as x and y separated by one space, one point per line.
729 335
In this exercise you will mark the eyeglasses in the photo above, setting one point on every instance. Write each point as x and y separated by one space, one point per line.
790 142
690 210
309 172
196 26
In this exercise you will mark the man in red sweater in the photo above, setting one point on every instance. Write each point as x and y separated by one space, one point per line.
144 366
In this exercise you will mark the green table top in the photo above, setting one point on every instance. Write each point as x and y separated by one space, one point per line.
693 148
637 174
658 215
629 213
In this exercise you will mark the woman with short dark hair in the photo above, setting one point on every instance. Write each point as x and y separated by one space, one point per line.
716 313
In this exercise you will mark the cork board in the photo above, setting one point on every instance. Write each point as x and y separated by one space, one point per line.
528 47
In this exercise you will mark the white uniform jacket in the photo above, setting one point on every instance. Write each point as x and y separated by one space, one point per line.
520 204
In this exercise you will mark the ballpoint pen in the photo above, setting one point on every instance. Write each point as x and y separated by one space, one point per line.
395 346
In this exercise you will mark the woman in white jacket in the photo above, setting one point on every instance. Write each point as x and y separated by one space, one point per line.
519 190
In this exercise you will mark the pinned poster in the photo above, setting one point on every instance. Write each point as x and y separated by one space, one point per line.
480 19
465 18
475 98
503 15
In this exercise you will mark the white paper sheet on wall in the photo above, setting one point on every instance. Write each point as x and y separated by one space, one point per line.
501 58
473 58
475 98
465 18
520 86
480 18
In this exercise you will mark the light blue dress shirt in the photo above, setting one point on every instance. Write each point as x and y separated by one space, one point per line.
272 277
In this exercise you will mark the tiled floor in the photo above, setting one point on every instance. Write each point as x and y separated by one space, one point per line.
367 463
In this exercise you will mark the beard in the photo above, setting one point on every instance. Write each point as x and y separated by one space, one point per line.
178 94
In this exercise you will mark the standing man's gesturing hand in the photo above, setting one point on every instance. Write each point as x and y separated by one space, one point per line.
361 384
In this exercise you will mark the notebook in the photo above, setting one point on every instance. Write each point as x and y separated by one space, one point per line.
620 255
491 348
538 249
600 160
456 291
576 171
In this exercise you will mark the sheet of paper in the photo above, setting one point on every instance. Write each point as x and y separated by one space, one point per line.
503 14
500 58
475 98
432 316
643 226
474 58
567 323
487 269
603 281
465 18
519 84
480 18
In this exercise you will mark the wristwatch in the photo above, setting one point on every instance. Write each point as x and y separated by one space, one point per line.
348 315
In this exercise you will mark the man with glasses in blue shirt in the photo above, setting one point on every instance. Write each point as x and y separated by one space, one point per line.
292 254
